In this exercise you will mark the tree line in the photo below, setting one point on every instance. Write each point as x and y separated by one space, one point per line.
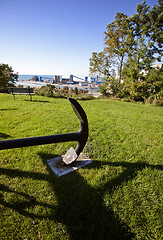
131 46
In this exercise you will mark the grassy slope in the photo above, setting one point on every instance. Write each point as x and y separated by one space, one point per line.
119 196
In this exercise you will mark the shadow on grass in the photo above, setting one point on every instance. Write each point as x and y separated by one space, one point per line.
4 135
130 172
21 206
37 101
8 109
80 207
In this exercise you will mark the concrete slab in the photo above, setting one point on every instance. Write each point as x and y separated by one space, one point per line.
60 168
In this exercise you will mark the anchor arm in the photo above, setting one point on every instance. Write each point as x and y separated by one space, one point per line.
83 131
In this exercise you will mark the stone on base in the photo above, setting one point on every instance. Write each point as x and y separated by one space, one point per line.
70 156
60 168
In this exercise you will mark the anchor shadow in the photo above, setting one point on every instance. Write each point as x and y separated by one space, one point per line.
4 135
37 101
8 109
21 206
82 210
80 207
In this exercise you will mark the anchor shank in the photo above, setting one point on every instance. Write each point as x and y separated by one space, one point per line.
33 141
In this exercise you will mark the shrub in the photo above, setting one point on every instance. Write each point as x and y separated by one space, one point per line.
45 91
56 92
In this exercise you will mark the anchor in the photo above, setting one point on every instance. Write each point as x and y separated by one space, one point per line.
80 137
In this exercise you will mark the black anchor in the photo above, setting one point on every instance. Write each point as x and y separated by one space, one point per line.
80 136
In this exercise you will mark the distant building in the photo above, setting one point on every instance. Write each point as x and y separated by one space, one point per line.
46 79
95 79
83 84
64 80
157 66
76 78
71 77
35 79
57 78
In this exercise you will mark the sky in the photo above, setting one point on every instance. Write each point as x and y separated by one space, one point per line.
56 37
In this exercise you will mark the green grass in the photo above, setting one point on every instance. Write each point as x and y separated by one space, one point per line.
118 196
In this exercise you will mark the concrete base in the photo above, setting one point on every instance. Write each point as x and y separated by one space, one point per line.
60 168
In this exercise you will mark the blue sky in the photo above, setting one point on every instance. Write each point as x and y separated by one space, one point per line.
56 36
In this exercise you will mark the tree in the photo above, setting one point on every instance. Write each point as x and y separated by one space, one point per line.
144 47
117 40
132 44
155 81
7 77
100 64
155 28
146 34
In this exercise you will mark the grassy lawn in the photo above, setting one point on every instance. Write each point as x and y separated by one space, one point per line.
118 196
